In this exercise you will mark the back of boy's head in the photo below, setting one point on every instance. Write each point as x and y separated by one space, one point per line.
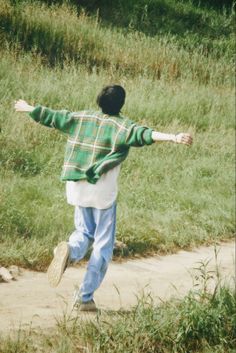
111 99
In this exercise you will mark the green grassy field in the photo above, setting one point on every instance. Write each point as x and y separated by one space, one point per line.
171 196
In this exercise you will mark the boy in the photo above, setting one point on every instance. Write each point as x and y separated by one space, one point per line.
98 142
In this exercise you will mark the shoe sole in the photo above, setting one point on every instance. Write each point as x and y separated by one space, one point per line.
82 307
58 264
88 308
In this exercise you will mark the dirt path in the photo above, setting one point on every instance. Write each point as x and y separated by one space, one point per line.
30 301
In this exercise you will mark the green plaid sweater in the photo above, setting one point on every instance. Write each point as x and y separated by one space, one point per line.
96 142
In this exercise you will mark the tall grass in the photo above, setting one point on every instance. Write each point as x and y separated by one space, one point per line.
190 21
202 322
58 33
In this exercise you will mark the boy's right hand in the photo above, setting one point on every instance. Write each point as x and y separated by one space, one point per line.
23 106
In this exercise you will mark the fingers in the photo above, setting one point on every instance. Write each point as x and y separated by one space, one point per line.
20 105
16 105
185 139
20 101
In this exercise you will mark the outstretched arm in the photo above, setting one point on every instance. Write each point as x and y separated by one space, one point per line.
183 138
62 120
139 136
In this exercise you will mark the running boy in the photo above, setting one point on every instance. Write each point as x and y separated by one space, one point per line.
98 142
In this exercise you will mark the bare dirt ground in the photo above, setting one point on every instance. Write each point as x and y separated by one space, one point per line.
29 301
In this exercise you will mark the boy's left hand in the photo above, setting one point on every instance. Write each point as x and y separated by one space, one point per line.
183 138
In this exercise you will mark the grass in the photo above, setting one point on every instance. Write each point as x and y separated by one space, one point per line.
170 196
59 34
188 20
203 321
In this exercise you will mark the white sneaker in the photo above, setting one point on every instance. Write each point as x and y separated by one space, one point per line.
58 264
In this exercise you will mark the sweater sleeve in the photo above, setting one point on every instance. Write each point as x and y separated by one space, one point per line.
58 119
139 136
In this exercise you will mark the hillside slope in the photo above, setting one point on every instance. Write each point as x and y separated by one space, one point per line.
170 197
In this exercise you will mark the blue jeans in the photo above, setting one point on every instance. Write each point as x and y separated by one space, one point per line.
97 227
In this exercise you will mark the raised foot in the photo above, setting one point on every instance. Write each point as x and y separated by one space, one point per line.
58 264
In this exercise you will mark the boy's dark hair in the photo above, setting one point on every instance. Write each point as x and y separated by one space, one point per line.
111 99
